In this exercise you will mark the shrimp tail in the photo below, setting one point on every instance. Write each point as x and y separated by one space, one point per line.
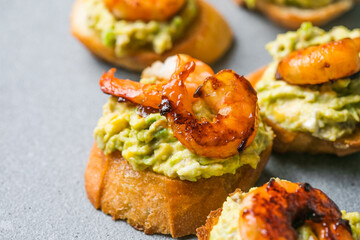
143 94
149 95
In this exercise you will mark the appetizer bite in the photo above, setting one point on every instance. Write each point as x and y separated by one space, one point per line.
280 210
170 148
135 33
292 13
310 93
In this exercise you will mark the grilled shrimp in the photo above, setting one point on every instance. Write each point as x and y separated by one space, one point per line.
149 95
233 99
320 64
146 10
274 210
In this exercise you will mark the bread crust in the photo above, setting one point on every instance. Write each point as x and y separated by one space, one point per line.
301 142
155 203
203 233
207 39
292 17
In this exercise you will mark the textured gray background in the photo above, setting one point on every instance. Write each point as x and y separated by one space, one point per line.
50 102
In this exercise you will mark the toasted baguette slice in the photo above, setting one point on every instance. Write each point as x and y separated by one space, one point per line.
292 17
288 141
155 203
207 39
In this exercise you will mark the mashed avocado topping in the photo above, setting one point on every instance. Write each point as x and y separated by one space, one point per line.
228 224
148 143
295 3
328 111
304 3
354 220
125 36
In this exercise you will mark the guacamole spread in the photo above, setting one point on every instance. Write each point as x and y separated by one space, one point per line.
125 36
295 3
354 220
328 111
148 143
228 224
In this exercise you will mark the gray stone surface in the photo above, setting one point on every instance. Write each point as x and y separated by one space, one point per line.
50 102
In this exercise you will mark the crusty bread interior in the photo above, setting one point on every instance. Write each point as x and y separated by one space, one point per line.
207 39
155 203
288 141
292 17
